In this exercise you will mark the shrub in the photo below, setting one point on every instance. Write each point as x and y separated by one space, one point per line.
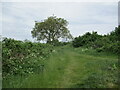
106 43
22 57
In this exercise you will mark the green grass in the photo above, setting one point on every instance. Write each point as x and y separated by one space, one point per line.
69 67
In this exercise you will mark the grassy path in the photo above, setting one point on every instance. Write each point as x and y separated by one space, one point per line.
66 68
73 70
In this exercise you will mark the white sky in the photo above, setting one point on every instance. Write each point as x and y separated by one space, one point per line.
18 17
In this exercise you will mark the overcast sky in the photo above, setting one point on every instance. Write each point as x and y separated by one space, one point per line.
18 18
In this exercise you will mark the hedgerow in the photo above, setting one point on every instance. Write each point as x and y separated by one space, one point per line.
20 57
105 43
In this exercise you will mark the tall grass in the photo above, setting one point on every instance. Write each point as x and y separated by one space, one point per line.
71 68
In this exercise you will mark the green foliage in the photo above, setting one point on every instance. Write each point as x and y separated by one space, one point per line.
51 29
61 43
22 57
106 43
69 67
87 39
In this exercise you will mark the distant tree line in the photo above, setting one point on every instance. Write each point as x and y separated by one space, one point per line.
109 42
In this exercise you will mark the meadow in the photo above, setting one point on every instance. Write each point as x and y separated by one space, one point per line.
68 67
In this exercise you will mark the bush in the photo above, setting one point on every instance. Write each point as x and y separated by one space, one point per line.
87 39
22 57
106 43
